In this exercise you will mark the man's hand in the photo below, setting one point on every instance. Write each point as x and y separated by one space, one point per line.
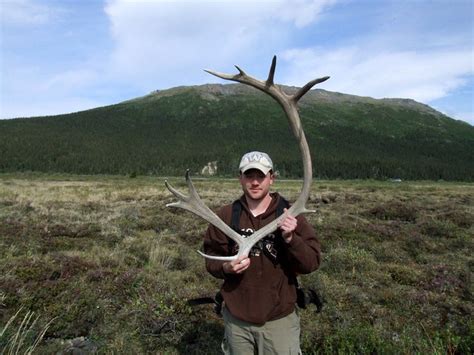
288 226
236 266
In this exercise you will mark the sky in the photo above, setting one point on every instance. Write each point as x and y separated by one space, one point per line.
61 56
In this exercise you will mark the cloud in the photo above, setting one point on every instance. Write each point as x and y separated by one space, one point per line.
160 44
159 41
300 12
381 72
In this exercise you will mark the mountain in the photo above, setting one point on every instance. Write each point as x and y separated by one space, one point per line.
169 131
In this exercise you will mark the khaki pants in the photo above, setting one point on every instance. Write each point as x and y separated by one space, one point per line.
281 336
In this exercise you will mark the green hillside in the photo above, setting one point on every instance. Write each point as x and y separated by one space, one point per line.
169 131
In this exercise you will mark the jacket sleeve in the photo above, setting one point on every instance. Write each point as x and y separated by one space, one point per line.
304 250
216 243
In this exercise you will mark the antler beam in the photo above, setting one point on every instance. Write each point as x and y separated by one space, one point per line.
194 204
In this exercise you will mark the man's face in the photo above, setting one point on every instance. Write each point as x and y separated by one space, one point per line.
255 184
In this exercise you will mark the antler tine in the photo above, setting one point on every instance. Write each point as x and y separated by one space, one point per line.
240 70
183 199
176 193
244 78
271 74
216 257
299 94
191 188
234 77
194 204
222 75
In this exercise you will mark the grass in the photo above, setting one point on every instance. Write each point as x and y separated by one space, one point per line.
24 338
112 267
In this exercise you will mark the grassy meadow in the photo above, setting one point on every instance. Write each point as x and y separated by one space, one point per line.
99 264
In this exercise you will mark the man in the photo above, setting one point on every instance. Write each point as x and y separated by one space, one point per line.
259 290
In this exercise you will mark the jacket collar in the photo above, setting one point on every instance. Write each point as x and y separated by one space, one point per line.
271 208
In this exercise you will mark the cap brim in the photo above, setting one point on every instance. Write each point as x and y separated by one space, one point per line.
263 169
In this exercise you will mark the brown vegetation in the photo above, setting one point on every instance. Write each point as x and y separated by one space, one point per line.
113 267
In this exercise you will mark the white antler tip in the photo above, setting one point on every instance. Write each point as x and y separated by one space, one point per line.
215 257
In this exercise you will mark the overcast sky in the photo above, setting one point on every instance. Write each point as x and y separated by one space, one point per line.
60 56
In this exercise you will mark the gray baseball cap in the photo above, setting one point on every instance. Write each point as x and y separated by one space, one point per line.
256 160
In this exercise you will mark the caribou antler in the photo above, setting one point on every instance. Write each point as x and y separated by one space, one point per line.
194 204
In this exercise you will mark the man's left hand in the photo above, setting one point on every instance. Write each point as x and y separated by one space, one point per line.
288 226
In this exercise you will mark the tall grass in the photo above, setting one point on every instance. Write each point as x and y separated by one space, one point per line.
26 337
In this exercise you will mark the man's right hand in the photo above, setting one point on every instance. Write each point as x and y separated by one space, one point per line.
236 266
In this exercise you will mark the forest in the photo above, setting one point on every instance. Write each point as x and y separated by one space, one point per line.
167 132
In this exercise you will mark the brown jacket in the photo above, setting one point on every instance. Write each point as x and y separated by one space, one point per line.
266 290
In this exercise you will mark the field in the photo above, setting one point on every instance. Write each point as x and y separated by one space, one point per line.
99 264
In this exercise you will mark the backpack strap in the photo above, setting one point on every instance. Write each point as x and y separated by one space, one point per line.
282 204
236 211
